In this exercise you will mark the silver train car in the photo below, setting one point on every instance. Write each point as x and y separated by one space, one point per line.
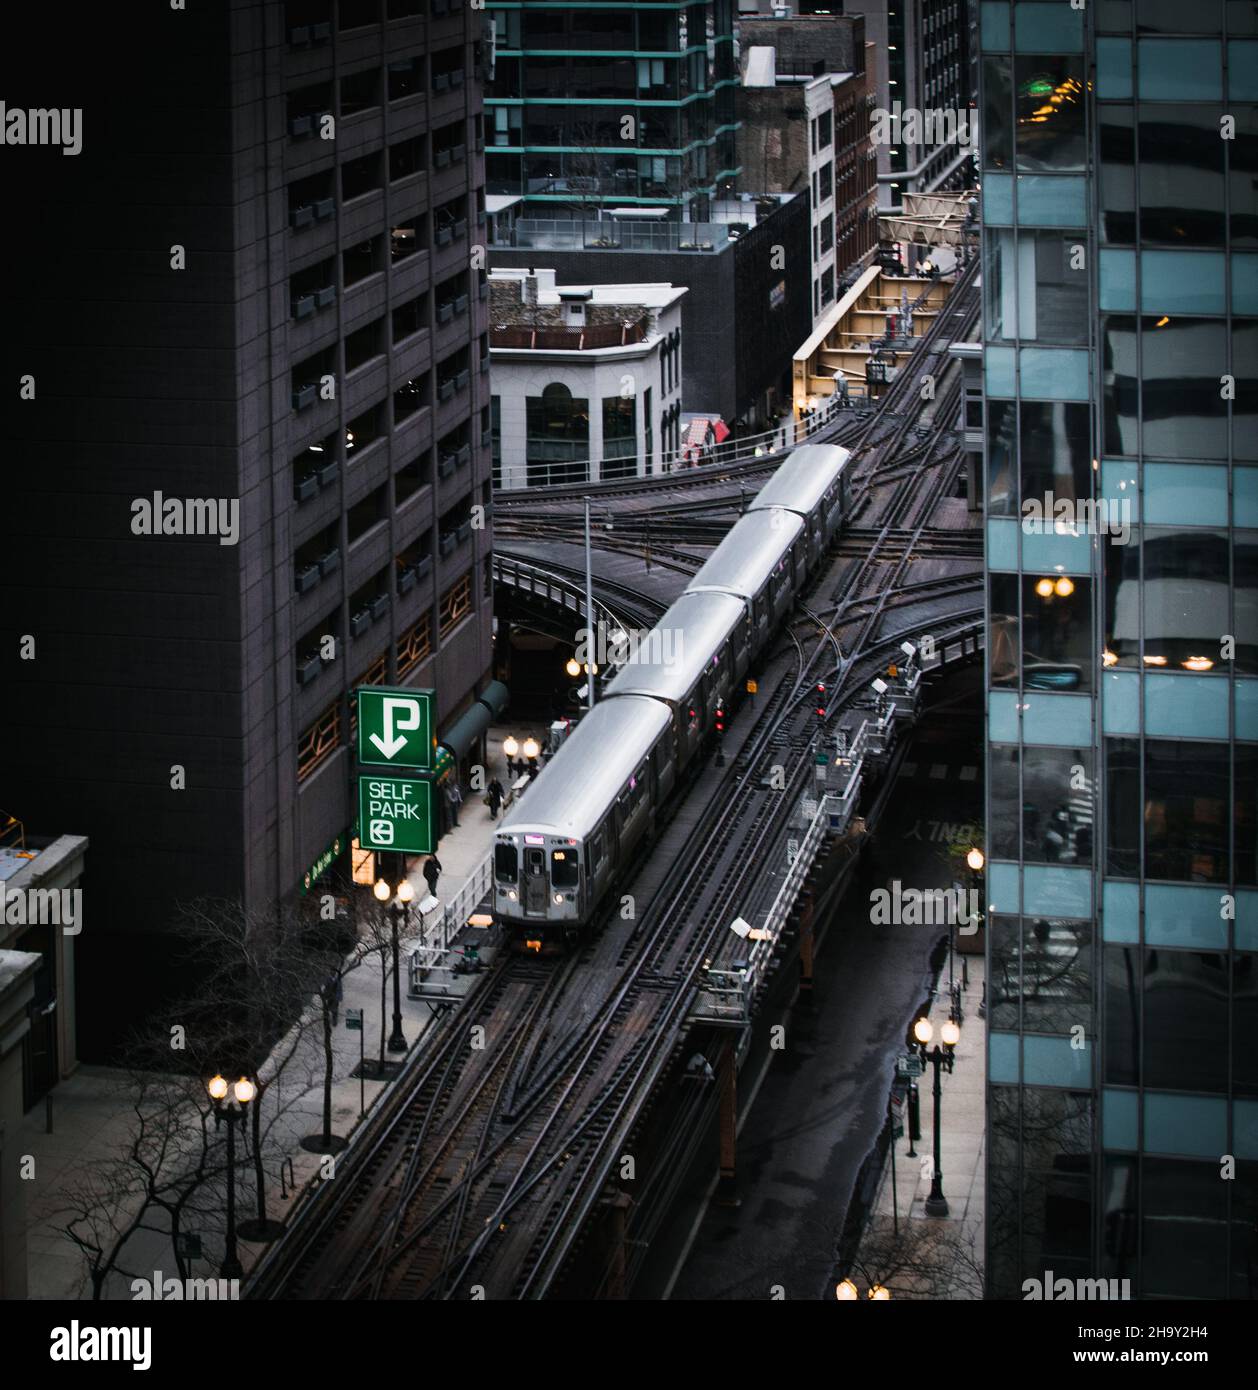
559 851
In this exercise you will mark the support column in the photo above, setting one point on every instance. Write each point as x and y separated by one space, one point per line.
727 1080
805 946
618 1223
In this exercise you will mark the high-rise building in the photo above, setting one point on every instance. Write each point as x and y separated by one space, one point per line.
804 118
594 106
922 59
254 449
1120 285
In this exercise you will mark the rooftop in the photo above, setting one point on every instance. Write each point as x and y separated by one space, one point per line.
730 218
527 309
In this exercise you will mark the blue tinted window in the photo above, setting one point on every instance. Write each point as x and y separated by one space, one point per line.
998 364
1046 200
1048 28
1054 374
1113 68
1118 279
1181 69
1182 282
1185 494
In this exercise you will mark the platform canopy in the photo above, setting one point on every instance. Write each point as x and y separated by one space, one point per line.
930 219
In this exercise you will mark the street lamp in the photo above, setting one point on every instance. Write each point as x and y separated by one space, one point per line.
510 748
573 667
940 1058
531 749
847 1292
224 1110
975 859
589 600
399 911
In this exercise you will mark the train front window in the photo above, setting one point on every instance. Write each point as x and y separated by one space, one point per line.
506 863
563 868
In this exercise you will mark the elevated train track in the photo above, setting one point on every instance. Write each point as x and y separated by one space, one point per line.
477 1175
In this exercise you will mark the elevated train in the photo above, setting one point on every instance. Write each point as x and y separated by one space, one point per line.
559 851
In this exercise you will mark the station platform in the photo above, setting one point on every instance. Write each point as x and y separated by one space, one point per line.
93 1122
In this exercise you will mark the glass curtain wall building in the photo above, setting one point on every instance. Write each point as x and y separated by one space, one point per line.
1120 286
602 105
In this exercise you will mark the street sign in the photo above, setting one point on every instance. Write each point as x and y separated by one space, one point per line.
909 1065
792 852
395 727
395 813
354 1020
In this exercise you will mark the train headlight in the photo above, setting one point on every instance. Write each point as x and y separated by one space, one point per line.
511 894
559 897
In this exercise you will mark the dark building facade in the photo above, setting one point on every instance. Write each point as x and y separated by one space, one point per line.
749 294
602 105
804 125
258 445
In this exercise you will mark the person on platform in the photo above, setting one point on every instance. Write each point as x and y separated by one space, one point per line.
432 872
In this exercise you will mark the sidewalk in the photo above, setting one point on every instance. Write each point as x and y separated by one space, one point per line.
93 1120
939 1257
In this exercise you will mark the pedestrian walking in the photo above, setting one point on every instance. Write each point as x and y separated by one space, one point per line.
494 798
432 872
454 799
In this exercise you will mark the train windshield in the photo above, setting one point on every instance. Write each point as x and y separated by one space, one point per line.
506 863
563 868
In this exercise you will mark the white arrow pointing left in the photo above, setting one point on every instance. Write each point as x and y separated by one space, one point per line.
395 719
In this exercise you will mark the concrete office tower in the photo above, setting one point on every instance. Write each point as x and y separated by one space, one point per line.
1120 279
804 109
599 106
253 315
924 58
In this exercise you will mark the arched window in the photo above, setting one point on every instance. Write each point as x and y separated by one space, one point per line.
558 435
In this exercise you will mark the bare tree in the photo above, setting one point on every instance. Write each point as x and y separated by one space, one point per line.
923 1259
248 1015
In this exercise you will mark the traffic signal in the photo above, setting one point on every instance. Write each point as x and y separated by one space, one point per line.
821 700
720 717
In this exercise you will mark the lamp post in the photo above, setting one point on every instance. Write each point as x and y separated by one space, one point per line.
532 748
510 748
941 1058
399 910
233 1113
589 604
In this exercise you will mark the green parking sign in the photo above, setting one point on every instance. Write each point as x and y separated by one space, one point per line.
395 727
395 813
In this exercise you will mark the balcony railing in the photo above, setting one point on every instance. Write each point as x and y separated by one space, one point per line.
601 335
556 234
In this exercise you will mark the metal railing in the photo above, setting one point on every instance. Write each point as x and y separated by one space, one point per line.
546 584
787 434
563 234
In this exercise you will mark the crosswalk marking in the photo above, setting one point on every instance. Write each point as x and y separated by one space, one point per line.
968 774
938 771
908 769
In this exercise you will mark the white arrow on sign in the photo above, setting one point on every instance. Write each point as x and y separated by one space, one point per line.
392 744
